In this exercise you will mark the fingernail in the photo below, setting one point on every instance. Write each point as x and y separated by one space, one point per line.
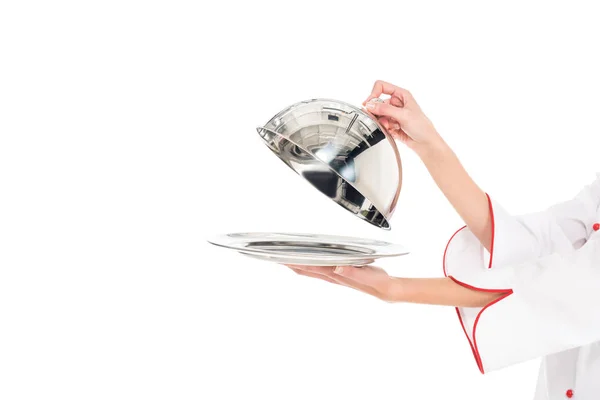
371 103
338 270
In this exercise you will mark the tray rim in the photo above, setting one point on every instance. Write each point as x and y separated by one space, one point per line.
397 249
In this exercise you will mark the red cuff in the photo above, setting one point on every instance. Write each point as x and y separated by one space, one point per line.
508 292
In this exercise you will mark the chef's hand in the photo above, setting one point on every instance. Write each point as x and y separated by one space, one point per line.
401 116
368 279
376 282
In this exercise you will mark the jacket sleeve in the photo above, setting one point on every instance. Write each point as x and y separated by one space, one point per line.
547 265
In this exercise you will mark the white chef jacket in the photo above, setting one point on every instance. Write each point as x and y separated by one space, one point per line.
548 265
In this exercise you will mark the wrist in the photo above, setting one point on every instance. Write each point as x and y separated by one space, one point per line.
435 291
400 290
417 290
434 149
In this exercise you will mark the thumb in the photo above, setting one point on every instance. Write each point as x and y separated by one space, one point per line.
387 110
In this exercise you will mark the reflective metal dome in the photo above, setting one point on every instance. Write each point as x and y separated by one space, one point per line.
343 152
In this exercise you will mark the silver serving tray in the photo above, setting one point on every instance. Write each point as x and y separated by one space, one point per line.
314 262
308 249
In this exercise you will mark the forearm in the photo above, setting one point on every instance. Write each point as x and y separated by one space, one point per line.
441 291
469 201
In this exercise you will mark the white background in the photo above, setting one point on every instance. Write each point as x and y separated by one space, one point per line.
127 139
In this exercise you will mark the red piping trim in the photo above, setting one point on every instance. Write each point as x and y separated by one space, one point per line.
508 292
475 327
447 246
477 358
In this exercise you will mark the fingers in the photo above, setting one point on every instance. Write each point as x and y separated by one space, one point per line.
386 110
385 122
324 273
314 275
396 102
393 126
382 87
327 274
369 276
312 269
368 280
389 124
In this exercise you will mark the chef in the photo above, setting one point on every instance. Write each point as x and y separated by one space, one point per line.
524 286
